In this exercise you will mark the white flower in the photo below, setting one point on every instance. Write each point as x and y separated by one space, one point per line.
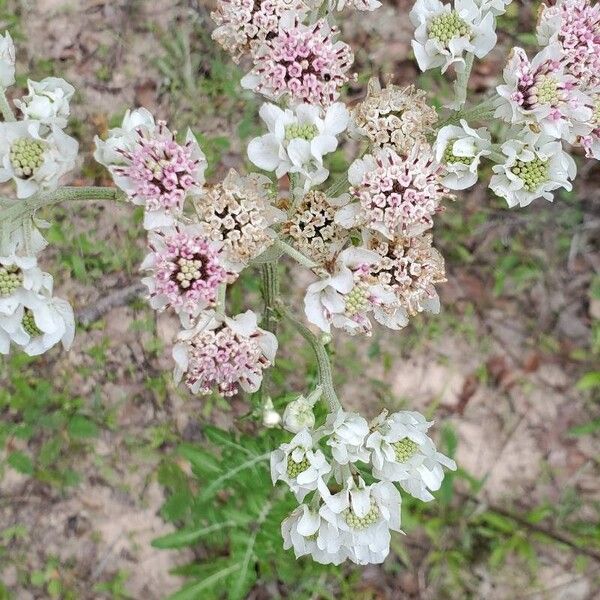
224 353
347 297
299 465
365 5
35 161
347 433
45 321
460 150
535 166
299 413
444 34
307 533
298 139
496 7
7 60
401 451
363 515
47 101
109 152
20 278
540 94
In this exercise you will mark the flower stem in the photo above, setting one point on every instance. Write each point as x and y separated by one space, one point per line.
20 209
462 81
5 108
270 287
323 362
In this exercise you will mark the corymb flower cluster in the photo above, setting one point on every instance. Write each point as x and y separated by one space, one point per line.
366 238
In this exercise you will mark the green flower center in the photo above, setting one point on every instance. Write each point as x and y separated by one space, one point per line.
295 468
405 449
26 157
356 522
546 89
450 158
596 115
448 26
29 325
189 271
11 278
532 173
306 132
357 299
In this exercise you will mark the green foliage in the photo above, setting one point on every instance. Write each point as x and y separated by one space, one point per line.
229 509
34 410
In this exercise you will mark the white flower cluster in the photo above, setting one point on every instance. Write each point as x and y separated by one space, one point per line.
354 521
36 154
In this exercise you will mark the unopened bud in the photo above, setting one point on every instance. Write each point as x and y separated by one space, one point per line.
271 418
299 414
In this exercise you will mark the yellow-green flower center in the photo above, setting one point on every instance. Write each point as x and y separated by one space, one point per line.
306 132
450 158
448 26
189 271
532 173
356 522
546 90
405 449
357 299
26 157
11 278
29 325
295 468
596 115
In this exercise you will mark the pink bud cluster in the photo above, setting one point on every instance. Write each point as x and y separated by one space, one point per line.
187 271
401 194
161 170
222 358
304 63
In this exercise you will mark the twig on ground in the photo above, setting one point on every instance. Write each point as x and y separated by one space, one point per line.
88 315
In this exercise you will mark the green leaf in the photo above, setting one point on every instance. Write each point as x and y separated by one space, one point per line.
192 592
204 461
20 462
589 381
585 428
187 537
81 427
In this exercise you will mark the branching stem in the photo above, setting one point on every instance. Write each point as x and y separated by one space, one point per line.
323 362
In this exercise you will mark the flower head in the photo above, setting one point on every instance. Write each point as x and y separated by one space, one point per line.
301 63
299 464
47 101
347 434
460 150
540 94
591 142
313 228
298 139
186 271
36 158
347 298
445 33
395 194
7 60
20 277
158 173
534 167
239 214
223 353
575 26
402 452
363 516
244 25
394 116
410 267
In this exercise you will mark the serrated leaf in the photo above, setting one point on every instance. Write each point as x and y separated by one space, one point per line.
193 592
188 537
